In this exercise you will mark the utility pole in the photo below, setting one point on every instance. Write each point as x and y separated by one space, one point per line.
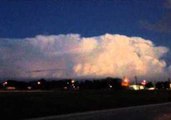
169 83
136 82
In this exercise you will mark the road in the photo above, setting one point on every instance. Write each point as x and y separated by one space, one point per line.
145 112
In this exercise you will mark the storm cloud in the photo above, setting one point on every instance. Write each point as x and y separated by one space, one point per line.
70 55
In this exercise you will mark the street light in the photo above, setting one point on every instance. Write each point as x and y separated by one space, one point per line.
72 81
144 82
5 83
38 82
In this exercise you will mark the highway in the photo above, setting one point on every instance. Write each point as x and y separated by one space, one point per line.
145 112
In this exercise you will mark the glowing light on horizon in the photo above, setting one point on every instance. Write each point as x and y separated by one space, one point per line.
125 82
144 82
5 83
38 82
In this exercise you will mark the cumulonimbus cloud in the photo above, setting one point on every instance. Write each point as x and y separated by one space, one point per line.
71 55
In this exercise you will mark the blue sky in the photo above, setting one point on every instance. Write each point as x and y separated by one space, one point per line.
38 20
20 19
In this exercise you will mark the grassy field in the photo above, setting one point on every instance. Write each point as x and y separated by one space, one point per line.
21 105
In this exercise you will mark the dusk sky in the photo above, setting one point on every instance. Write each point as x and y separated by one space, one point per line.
85 38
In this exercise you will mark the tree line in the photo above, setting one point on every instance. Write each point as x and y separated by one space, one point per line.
71 84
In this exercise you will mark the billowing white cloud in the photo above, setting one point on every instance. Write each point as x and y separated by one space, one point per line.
74 56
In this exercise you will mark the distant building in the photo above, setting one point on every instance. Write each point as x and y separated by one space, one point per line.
136 87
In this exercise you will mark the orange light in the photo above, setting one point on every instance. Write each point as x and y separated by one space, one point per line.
125 82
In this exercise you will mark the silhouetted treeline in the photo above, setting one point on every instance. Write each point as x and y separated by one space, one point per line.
112 83
67 84
70 84
163 85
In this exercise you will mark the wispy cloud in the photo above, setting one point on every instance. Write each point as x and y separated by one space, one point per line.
74 56
163 25
167 4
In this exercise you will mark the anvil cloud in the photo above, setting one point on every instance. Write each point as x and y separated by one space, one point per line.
70 55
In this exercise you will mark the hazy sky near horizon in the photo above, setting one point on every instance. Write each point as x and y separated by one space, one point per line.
85 38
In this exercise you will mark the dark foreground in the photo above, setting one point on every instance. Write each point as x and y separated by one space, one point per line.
145 112
24 105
